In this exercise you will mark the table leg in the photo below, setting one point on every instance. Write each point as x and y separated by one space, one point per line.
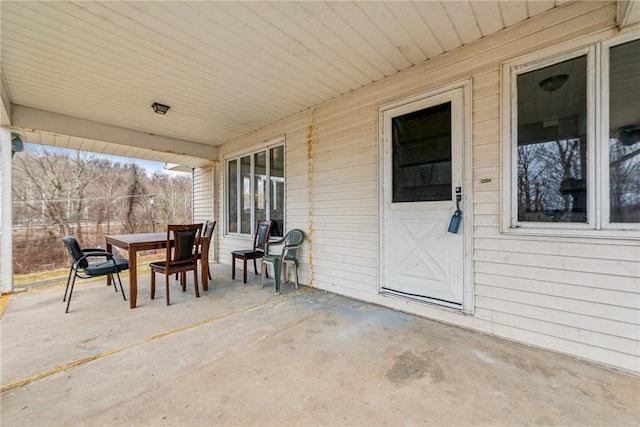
133 278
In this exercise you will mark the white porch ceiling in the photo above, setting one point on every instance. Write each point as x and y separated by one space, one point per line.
225 68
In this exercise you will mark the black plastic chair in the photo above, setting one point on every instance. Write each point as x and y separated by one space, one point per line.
83 269
263 231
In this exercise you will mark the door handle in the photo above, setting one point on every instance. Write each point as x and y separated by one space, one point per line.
456 218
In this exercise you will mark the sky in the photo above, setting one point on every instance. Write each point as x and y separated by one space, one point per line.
149 165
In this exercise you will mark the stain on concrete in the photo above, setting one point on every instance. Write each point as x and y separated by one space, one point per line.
410 367
484 357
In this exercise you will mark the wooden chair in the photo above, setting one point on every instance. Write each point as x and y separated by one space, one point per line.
288 255
263 231
203 253
183 242
203 250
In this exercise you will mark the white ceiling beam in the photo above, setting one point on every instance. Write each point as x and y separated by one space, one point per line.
5 116
31 118
628 13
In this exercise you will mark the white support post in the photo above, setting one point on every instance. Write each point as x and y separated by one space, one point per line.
6 238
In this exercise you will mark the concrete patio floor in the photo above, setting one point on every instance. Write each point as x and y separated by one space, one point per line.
240 355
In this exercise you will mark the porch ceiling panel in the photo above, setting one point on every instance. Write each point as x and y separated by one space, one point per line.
225 68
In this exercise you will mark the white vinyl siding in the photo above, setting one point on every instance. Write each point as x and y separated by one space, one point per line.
579 296
204 200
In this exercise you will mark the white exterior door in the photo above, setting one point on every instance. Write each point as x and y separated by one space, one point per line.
423 154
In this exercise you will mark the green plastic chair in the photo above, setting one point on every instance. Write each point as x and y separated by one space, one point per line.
288 255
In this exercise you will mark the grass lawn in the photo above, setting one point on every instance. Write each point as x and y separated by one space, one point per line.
62 273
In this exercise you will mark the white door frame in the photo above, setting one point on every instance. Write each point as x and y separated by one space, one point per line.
467 180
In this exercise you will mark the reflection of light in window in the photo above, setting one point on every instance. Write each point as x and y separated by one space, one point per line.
246 191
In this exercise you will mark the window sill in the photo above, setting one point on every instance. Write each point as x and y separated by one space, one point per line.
610 234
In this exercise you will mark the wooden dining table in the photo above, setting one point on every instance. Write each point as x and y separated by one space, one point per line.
133 243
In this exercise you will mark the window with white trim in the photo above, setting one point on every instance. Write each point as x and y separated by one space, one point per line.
255 190
574 129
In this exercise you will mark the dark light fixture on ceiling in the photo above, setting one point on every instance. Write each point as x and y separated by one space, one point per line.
160 108
553 83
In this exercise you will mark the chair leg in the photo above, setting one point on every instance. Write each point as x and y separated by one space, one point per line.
183 281
209 271
263 267
67 287
195 282
121 288
110 280
167 287
244 271
277 266
70 293
233 267
255 266
295 270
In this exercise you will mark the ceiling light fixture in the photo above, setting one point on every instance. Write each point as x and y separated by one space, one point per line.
553 83
160 108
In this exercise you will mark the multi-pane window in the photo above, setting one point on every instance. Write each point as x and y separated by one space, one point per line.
255 191
575 132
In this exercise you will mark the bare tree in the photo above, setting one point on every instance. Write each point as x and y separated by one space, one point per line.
56 194
173 200
135 193
45 175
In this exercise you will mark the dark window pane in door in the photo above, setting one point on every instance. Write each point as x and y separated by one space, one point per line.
552 143
422 155
624 133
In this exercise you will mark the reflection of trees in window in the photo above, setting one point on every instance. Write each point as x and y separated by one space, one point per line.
531 198
624 133
624 182
551 150
552 130
551 186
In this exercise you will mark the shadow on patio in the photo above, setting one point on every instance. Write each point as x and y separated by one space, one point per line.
240 355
